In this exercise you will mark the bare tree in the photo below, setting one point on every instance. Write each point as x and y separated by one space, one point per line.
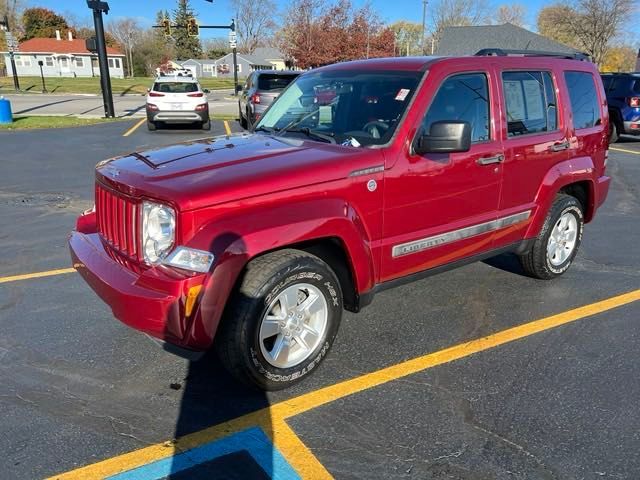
254 22
597 24
455 13
126 31
513 14
588 25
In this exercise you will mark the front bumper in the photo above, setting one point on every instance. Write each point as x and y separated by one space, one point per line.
151 301
177 116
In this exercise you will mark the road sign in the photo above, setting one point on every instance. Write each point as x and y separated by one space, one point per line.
233 41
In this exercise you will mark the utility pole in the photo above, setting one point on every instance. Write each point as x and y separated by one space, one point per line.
105 80
424 23
12 45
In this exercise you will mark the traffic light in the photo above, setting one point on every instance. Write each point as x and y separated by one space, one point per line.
166 27
192 27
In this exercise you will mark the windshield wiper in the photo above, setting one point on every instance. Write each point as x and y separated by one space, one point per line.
326 137
263 129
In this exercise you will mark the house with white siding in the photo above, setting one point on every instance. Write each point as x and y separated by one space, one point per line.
60 57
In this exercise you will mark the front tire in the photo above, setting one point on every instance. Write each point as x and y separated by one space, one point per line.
557 244
151 126
282 320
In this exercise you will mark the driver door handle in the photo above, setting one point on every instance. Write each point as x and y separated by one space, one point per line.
490 160
558 147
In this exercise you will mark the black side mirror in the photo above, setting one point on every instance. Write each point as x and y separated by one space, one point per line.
206 90
446 136
238 88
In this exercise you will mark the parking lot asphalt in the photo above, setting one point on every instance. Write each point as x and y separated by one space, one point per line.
478 373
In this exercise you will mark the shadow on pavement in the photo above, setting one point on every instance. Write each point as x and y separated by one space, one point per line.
212 396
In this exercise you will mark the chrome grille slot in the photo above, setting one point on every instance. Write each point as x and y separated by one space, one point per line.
117 220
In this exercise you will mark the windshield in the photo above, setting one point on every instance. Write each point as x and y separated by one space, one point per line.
175 87
274 82
352 107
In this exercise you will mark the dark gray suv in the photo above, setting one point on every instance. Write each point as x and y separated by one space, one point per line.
259 91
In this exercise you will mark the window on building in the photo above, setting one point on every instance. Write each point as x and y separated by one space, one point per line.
462 97
94 62
22 61
114 63
79 62
531 102
584 99
48 61
207 68
64 62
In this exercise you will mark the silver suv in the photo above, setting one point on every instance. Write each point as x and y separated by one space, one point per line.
259 91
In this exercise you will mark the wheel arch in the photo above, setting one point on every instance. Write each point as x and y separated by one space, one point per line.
574 177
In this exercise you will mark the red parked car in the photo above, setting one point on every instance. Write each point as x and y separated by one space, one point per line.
361 176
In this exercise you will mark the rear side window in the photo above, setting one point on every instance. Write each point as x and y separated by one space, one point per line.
584 99
175 87
636 86
530 102
274 82
462 97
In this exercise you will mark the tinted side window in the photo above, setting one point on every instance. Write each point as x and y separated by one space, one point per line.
636 86
584 99
607 81
462 97
530 102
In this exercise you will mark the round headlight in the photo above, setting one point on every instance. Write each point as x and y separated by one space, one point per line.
158 230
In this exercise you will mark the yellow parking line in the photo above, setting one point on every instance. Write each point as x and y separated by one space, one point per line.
616 149
227 128
296 452
272 418
134 128
27 276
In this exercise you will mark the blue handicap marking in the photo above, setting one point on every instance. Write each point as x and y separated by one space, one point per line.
252 440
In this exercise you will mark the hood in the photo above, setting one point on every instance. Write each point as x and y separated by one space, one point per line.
215 170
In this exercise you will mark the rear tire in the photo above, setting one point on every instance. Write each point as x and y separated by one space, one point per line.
557 243
613 130
206 125
151 126
282 320
243 120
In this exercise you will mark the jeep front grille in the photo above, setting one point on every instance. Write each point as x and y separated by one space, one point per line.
117 219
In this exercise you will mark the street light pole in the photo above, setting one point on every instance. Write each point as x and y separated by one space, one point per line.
11 44
105 80
424 24
235 58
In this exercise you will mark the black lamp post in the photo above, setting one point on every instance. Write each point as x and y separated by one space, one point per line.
98 8
11 43
44 87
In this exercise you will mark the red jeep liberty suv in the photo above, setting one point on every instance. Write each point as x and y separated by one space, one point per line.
361 176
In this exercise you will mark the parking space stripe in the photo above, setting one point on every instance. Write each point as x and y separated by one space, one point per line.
134 128
624 150
296 452
28 276
286 440
227 128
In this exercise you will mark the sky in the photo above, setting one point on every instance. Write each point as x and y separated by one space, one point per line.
220 12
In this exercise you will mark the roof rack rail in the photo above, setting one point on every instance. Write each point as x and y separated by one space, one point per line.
500 52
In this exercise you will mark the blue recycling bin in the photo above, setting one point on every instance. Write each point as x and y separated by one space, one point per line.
5 111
